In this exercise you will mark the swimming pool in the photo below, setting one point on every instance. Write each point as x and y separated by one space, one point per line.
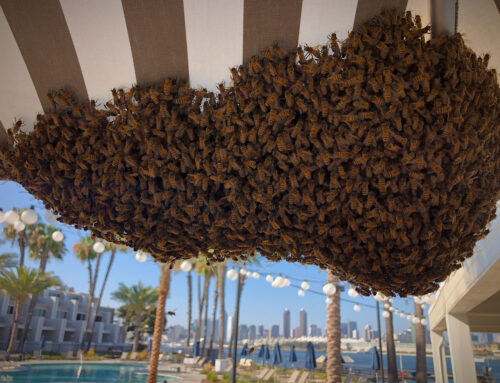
85 373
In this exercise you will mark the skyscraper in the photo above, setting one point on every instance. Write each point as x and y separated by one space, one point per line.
351 326
286 323
243 333
303 322
368 333
344 332
275 331
252 332
260 331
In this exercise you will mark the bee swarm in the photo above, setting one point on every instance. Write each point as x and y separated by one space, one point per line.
377 158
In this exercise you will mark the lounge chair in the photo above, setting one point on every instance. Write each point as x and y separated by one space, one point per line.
263 373
269 375
124 355
17 357
304 377
293 378
133 356
201 362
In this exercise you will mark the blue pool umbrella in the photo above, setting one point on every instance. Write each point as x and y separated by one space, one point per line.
375 362
244 350
196 348
310 357
267 356
293 356
42 344
277 354
150 344
262 350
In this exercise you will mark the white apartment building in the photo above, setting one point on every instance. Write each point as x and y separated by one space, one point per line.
59 317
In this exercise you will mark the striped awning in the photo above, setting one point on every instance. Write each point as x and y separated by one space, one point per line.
92 46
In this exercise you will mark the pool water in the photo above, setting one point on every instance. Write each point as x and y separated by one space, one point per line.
73 372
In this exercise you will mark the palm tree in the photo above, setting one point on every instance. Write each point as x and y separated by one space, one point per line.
221 269
42 247
420 345
163 289
333 362
22 237
206 289
112 248
20 284
240 284
84 251
7 260
392 368
212 332
136 298
190 305
201 268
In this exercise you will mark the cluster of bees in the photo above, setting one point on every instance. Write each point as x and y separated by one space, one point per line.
377 158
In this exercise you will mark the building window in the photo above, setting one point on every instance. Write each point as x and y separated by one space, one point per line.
10 310
62 315
54 295
39 312
80 316
98 318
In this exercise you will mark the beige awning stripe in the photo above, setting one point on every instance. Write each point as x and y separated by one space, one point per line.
42 35
279 23
366 9
157 34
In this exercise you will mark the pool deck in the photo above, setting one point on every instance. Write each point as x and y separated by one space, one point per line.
164 369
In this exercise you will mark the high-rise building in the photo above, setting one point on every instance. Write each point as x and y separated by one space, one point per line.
252 332
368 333
229 327
355 334
303 322
260 331
243 333
286 323
275 331
314 330
351 326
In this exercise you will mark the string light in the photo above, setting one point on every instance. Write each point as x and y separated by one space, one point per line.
232 274
356 308
329 301
186 266
141 257
301 293
57 236
352 293
329 289
269 278
304 285
386 314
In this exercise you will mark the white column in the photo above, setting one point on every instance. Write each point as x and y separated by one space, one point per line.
439 357
462 360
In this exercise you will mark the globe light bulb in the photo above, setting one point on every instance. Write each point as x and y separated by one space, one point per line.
386 305
286 282
301 293
99 247
19 226
423 322
29 216
243 271
352 293
186 266
379 296
391 309
386 314
304 285
11 217
57 236
356 308
141 257
278 281
255 275
409 317
269 278
416 321
402 315
329 289
232 274
329 301
249 274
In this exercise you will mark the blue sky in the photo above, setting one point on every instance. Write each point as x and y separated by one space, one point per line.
261 303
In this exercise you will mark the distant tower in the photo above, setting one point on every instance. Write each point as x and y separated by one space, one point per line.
286 323
303 322
229 327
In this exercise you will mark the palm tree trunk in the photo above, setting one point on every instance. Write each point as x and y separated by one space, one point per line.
212 332
222 310
392 368
15 325
138 320
190 305
239 286
101 293
22 248
420 345
205 320
197 333
27 322
163 289
92 281
333 363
